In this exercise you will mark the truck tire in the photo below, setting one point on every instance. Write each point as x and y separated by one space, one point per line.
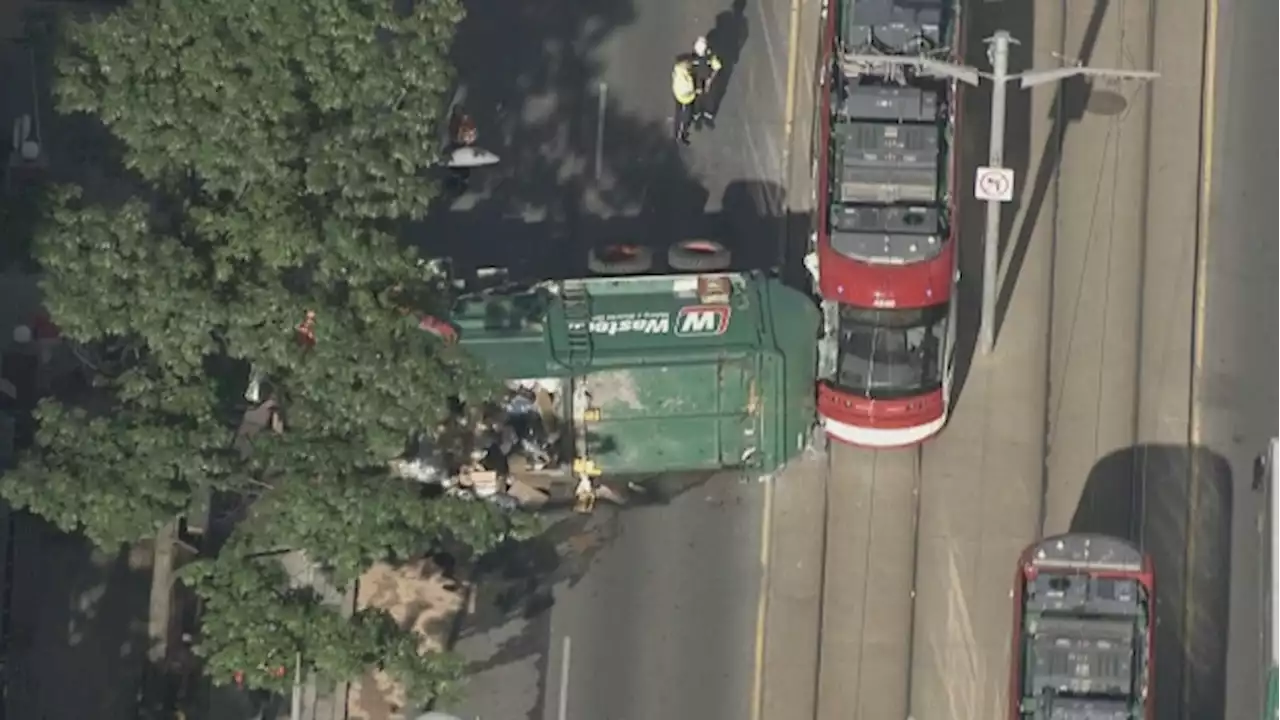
698 256
620 260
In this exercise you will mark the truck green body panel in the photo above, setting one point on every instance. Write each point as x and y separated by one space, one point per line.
674 384
1270 712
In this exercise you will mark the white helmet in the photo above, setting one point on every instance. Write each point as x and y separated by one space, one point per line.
700 46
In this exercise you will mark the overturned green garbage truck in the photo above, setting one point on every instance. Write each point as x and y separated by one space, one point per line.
646 375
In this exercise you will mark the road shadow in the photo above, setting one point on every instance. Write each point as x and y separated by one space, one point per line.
1070 100
73 633
227 702
556 192
534 104
513 591
516 580
75 147
752 223
79 619
1176 503
749 223
795 245
727 38
515 585
72 148
980 21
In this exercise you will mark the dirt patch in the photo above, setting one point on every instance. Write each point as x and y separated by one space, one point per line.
420 597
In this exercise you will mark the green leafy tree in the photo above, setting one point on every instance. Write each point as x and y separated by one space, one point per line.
257 625
379 517
121 474
274 144
371 379
335 102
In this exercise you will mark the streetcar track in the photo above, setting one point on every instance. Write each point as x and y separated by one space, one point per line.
872 463
1058 129
822 573
1138 518
917 481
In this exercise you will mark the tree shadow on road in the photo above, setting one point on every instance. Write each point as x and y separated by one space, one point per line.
980 22
79 620
73 148
557 192
1176 503
518 581
529 75
749 223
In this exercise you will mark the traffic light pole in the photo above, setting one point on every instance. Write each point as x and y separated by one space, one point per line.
993 182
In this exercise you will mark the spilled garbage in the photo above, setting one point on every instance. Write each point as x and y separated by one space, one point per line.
511 455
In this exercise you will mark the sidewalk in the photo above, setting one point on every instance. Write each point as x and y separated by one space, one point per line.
418 596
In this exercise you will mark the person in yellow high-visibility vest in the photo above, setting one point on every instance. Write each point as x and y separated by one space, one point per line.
685 91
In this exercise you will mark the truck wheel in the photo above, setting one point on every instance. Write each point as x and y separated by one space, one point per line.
698 256
620 260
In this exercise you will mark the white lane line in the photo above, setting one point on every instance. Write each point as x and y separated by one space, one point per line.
1208 114
563 713
604 95
762 601
793 54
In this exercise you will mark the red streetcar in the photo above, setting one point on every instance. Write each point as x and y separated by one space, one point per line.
885 257
1084 625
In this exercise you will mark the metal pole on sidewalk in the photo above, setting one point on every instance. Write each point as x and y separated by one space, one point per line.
998 52
295 699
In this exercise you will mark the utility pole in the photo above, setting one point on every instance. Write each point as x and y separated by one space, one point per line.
1000 185
992 182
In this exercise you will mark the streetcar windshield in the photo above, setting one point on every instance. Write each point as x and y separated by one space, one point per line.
891 353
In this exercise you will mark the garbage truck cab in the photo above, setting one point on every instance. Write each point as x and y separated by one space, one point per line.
643 375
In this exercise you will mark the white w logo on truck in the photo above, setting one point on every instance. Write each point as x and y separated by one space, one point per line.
703 320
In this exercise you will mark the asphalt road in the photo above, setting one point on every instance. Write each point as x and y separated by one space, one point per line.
576 101
1238 393
1119 457
649 612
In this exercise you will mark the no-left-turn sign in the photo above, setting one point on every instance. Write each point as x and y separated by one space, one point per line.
993 184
